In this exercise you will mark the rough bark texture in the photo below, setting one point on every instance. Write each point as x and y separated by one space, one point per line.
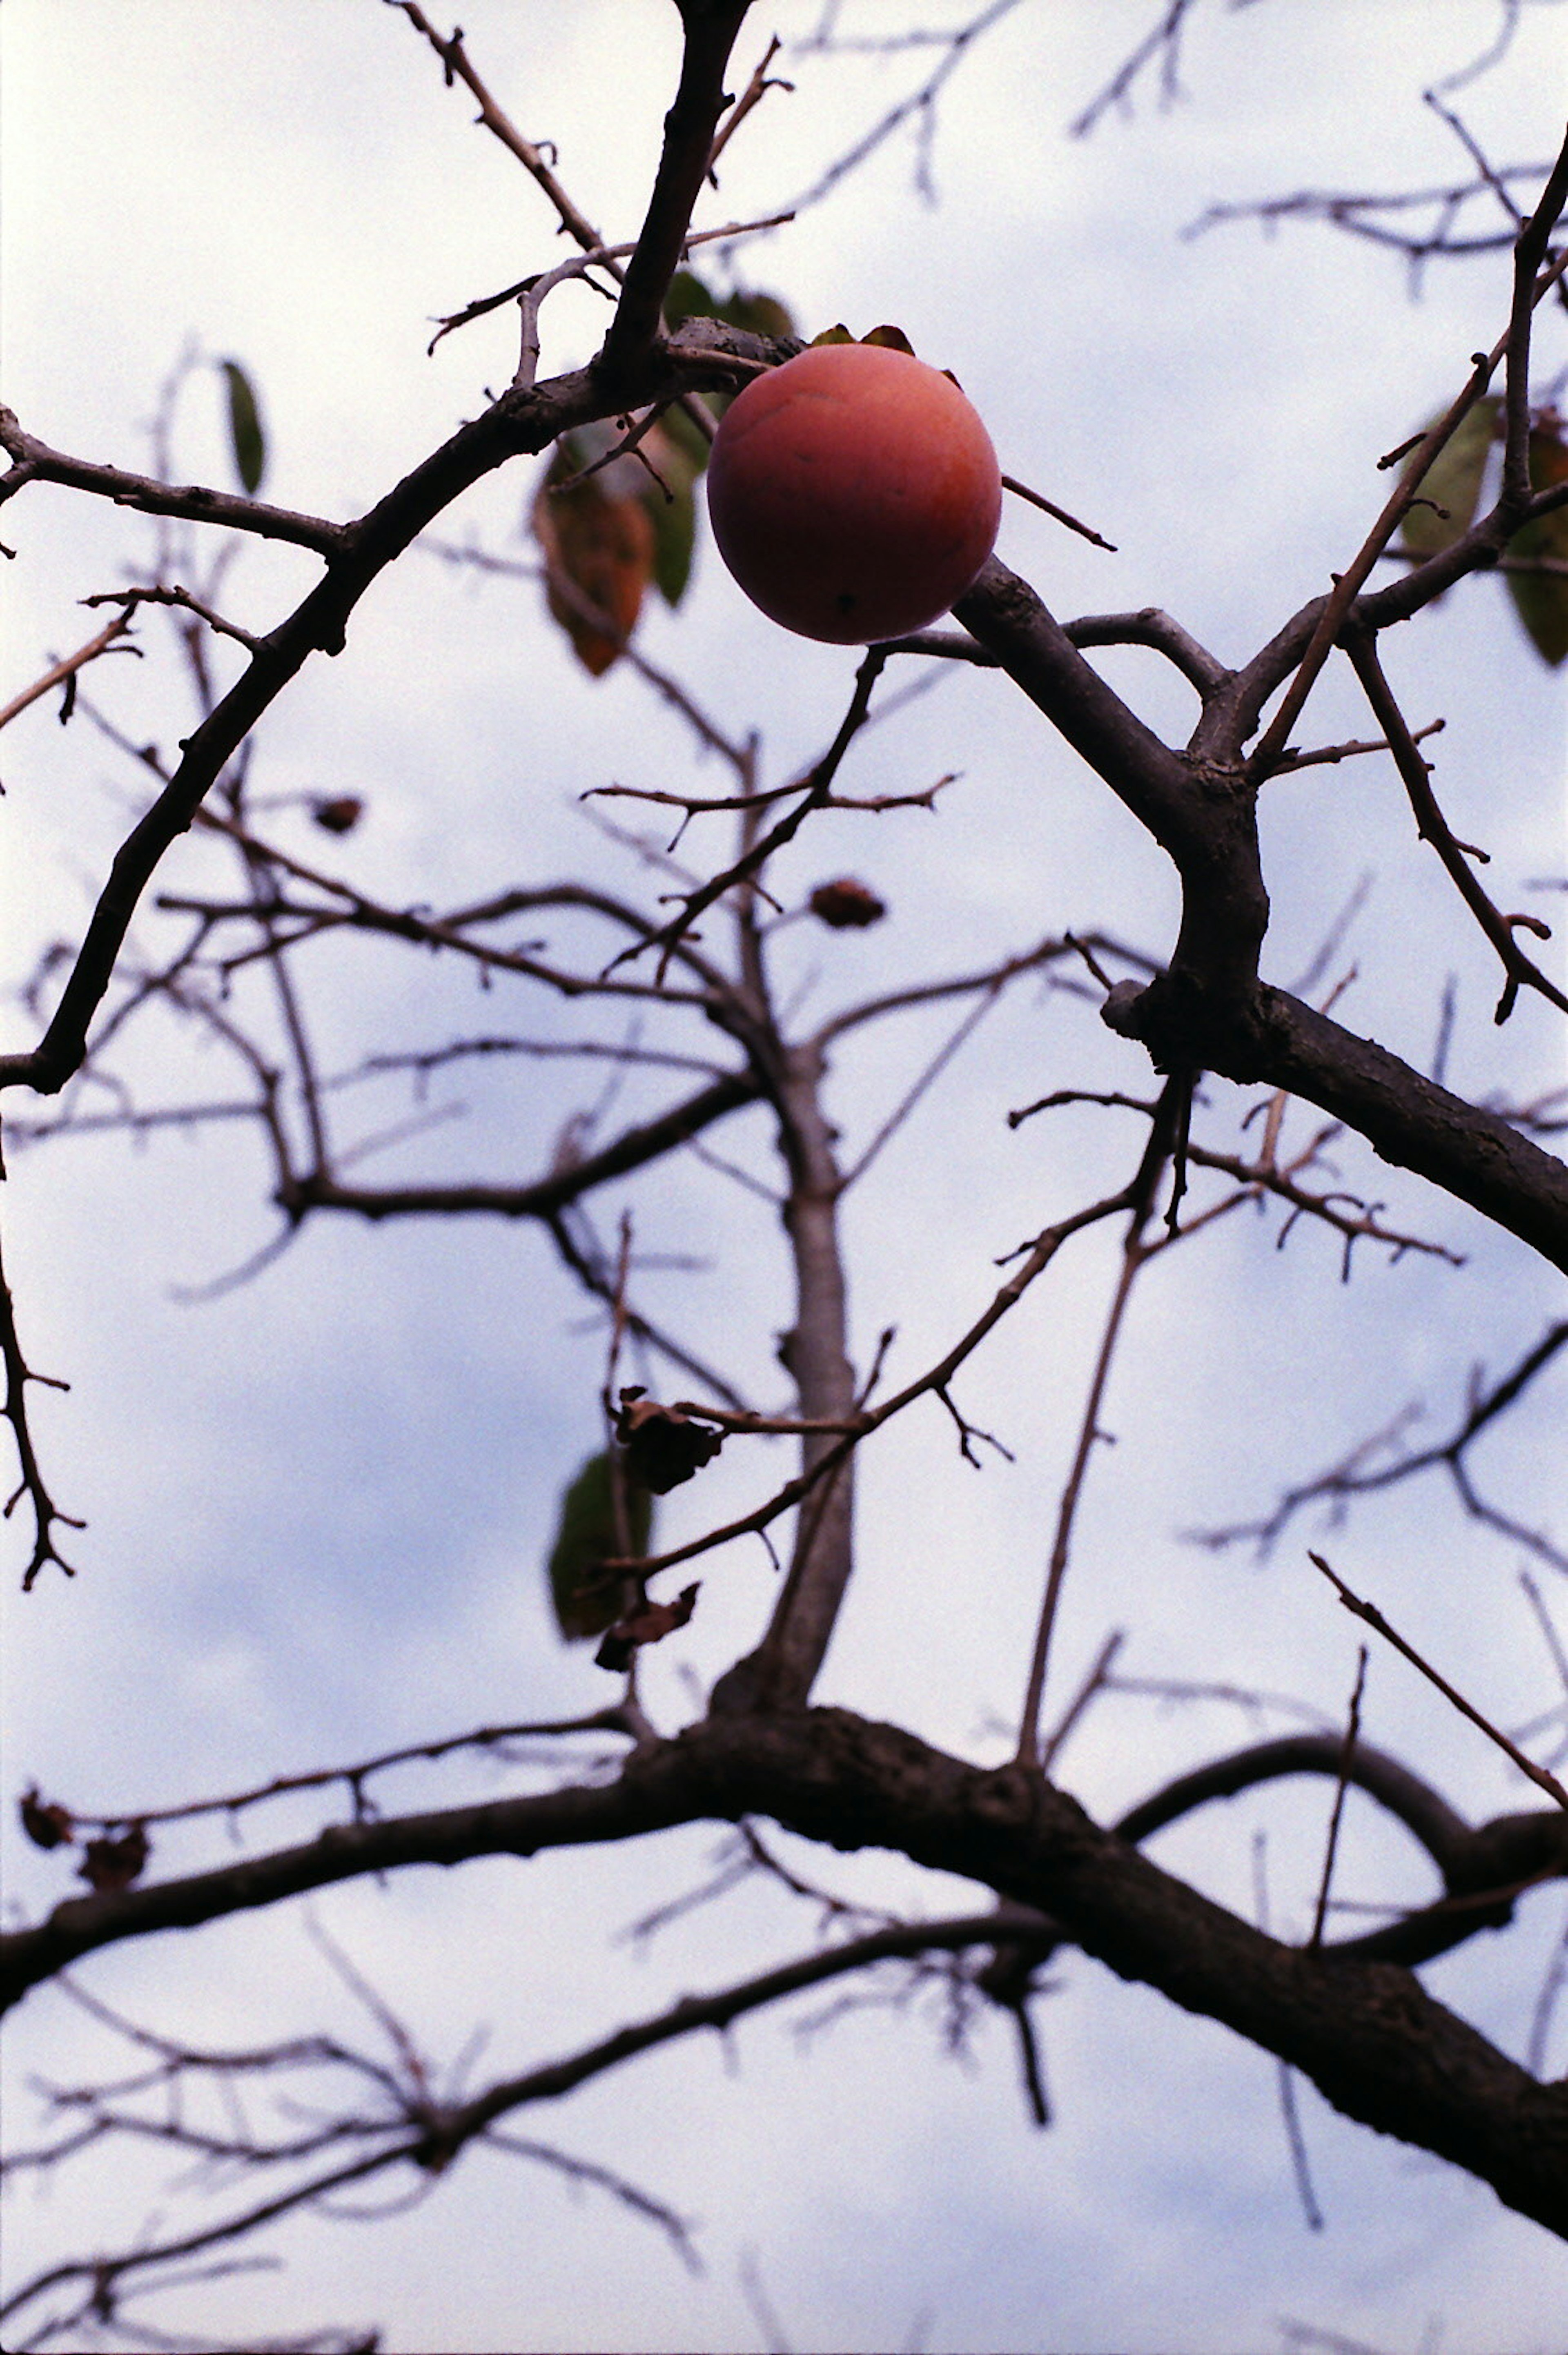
1375 2044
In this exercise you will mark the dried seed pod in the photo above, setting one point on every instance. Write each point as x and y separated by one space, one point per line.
847 905
663 1447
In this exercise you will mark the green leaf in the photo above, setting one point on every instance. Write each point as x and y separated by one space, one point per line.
587 1537
1540 599
675 538
1453 481
246 437
689 439
688 298
675 518
838 335
758 314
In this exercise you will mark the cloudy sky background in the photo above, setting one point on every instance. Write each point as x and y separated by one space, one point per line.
317 1504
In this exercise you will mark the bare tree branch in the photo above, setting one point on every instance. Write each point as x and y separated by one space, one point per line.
1375 2045
48 1515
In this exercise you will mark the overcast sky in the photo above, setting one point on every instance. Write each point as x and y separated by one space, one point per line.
318 1504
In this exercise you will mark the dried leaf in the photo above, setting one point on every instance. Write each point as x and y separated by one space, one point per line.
585 1602
845 903
663 1447
1540 599
649 1625
341 815
598 542
45 1821
116 1860
246 437
1453 481
838 335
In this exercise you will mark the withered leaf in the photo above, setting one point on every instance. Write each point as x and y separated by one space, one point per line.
649 1625
117 1859
845 903
663 1447
598 540
45 1821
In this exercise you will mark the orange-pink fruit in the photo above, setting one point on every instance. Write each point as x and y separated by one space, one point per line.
854 492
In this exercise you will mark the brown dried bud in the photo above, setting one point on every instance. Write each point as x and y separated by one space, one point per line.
845 904
663 1447
45 1821
648 1625
341 815
116 1860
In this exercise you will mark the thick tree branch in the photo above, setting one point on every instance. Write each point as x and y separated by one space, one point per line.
815 1351
1003 612
1484 1870
1375 2044
1201 812
712 26
1209 1012
1475 1155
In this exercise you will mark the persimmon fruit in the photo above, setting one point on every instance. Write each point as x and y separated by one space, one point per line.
854 492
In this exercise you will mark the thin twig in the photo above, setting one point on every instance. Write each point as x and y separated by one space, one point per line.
1434 827
1140 1195
1349 584
68 668
174 595
817 788
1035 1257
47 1515
1049 506
1374 1619
756 89
1352 1728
